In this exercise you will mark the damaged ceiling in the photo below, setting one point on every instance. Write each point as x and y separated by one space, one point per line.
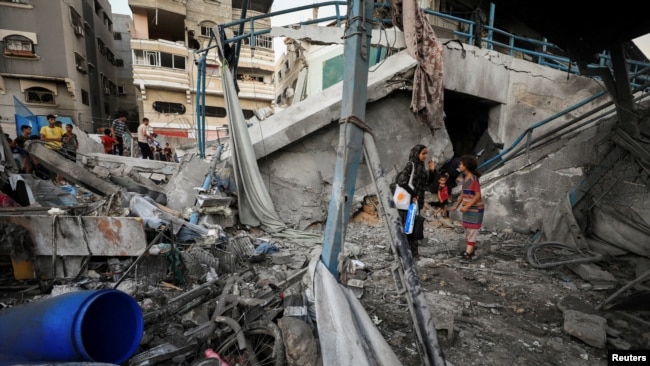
582 28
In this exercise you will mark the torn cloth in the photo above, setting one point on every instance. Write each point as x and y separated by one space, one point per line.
423 45
255 205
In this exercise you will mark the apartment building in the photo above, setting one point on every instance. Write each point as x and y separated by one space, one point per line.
125 97
165 39
58 58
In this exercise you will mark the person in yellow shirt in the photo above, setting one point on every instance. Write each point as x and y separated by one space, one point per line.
53 137
51 134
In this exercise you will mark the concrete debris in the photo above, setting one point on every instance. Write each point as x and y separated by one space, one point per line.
586 327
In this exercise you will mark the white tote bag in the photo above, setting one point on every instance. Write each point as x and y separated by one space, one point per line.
401 197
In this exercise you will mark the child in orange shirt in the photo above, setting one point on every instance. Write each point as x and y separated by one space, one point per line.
108 141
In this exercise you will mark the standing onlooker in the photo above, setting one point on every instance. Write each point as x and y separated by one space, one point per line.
118 128
108 141
167 151
143 139
470 203
421 178
70 143
26 165
52 134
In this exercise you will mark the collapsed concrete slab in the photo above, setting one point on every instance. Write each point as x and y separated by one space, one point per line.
190 174
314 113
142 165
69 170
82 236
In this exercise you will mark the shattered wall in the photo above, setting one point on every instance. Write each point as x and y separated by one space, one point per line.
528 188
302 173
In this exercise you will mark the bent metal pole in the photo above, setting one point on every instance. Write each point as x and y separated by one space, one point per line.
424 327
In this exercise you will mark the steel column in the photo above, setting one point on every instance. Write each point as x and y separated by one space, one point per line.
350 149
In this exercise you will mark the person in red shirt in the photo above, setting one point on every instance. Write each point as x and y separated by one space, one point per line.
443 196
108 141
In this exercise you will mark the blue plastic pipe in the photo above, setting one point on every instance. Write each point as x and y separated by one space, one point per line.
95 325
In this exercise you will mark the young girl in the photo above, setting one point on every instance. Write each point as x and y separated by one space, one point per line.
443 196
422 176
470 204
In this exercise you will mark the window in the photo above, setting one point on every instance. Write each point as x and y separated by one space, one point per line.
101 46
39 95
167 107
249 77
18 46
84 97
248 114
261 41
172 61
119 62
77 22
80 63
117 36
110 56
205 31
98 8
163 59
121 90
212 111
206 27
107 109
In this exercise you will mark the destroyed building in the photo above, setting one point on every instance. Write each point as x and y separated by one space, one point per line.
223 254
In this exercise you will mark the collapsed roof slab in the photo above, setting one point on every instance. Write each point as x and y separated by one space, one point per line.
142 165
71 171
94 235
316 112
60 243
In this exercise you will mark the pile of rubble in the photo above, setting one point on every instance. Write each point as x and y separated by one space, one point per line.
212 291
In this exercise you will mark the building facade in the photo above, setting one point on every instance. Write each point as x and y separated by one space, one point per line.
58 58
166 37
126 99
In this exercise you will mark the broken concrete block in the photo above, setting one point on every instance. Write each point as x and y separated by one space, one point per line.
101 172
590 272
301 347
70 171
590 329
180 189
195 317
443 311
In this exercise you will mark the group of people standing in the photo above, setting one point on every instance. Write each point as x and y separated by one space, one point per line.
55 137
113 140
469 202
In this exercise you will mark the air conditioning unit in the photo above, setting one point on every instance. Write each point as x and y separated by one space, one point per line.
79 30
107 91
81 69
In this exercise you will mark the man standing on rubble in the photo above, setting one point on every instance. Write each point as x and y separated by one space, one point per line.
53 137
51 134
118 128
143 139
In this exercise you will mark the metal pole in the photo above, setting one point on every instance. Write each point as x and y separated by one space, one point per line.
423 322
350 148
